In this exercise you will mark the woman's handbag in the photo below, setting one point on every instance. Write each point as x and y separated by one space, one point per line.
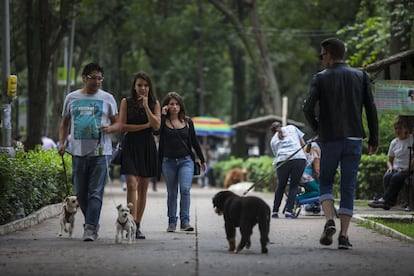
117 155
197 168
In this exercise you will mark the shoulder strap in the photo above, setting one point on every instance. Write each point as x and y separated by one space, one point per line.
185 145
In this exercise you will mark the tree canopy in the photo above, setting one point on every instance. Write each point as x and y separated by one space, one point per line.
231 59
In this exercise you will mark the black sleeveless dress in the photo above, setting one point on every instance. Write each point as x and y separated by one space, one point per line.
139 152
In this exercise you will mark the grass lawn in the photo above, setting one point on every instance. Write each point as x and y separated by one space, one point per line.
404 226
359 202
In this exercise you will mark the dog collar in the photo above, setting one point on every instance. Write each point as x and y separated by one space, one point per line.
122 223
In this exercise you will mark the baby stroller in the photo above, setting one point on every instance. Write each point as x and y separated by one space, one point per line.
307 199
308 206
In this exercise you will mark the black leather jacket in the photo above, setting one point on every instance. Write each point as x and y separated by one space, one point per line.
341 92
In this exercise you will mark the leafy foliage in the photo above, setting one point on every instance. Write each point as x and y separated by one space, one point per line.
369 179
386 131
377 23
368 40
261 172
184 46
222 167
31 180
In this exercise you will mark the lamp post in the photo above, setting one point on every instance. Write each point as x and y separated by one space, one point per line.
5 146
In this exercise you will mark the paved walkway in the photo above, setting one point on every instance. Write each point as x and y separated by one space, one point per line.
294 246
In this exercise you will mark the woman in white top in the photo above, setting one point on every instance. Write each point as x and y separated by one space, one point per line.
397 166
285 141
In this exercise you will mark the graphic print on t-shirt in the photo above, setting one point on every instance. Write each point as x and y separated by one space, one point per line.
87 116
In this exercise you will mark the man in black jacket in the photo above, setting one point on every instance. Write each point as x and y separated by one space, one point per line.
341 93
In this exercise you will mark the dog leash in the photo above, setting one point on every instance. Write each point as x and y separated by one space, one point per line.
107 170
110 180
257 182
308 143
66 178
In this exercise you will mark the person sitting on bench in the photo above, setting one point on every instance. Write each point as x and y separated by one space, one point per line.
397 166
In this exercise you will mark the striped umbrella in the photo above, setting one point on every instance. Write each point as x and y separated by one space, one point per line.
211 126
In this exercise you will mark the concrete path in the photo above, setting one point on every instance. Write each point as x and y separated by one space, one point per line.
294 247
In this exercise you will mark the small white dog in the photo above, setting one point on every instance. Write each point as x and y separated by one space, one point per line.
125 222
67 215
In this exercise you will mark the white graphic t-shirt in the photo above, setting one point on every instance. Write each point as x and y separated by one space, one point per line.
88 113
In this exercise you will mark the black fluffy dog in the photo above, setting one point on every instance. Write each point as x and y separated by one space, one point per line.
243 212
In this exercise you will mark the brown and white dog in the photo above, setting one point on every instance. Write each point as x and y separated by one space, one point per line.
67 215
125 222
234 176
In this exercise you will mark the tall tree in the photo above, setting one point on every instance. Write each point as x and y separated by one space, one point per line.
258 53
239 147
200 59
46 25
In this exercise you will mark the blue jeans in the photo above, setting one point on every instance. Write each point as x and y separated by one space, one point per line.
345 153
178 172
393 183
89 175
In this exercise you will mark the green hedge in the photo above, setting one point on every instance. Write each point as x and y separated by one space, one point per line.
32 180
371 171
260 169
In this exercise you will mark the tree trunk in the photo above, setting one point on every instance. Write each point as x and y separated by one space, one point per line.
270 88
44 33
46 26
56 98
399 36
270 94
239 147
200 61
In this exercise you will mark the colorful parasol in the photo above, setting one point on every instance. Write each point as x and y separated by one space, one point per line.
206 126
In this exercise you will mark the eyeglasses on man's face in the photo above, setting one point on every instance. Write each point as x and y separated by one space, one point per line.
95 78
321 55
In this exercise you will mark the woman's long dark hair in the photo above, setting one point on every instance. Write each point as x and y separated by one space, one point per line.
145 77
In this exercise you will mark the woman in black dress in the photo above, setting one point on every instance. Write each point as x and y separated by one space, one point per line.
140 115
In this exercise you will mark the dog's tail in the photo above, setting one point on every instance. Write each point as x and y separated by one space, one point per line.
264 224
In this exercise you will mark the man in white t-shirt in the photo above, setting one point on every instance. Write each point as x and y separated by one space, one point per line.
90 114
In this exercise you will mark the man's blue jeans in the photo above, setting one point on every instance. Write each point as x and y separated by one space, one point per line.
345 153
178 172
89 175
